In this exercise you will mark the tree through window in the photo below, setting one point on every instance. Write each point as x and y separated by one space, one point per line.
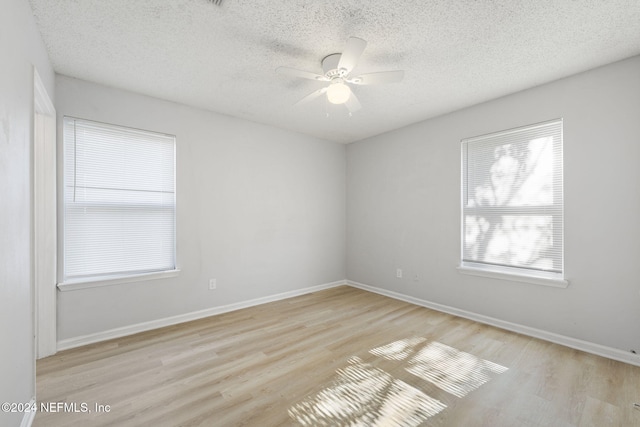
512 200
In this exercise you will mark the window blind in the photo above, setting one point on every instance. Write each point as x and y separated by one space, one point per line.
119 200
512 200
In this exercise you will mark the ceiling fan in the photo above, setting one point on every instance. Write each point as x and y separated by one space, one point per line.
337 69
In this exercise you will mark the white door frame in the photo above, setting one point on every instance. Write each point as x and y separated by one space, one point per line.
44 221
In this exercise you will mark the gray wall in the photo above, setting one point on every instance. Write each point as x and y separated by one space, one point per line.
403 209
260 209
20 49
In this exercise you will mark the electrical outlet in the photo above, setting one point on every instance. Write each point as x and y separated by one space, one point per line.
399 273
416 278
212 284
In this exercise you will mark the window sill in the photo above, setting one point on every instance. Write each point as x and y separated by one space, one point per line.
96 282
496 273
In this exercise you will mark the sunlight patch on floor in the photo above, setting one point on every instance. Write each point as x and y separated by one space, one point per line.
398 350
364 395
452 370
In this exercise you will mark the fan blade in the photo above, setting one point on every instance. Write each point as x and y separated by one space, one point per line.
378 78
311 96
351 54
301 73
352 103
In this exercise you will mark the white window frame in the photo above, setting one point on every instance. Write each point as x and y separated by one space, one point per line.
90 281
507 272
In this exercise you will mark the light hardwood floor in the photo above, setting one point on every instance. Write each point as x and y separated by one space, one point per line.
341 356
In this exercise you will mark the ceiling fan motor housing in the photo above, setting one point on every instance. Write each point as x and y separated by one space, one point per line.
330 66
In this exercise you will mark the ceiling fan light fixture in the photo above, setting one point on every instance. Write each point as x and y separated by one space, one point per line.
338 92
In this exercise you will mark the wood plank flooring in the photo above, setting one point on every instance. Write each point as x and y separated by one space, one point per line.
341 356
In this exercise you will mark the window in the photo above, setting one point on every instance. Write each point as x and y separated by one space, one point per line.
119 201
512 204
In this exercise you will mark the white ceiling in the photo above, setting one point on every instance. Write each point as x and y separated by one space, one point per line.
455 53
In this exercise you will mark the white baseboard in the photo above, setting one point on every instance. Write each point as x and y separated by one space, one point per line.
586 346
187 317
589 347
28 417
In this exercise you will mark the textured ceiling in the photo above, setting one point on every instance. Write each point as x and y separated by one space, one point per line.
455 53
